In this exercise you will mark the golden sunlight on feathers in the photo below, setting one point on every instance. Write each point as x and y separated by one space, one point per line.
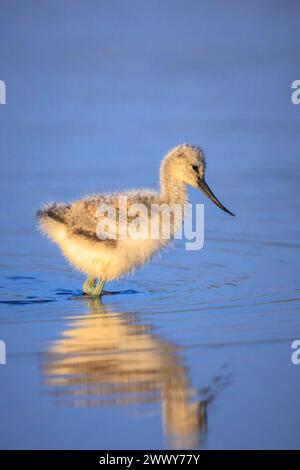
74 227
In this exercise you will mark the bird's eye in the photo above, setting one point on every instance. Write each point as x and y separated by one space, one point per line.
195 168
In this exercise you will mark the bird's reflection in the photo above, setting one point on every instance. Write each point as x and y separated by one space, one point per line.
108 357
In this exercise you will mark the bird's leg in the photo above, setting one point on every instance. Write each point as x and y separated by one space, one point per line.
89 285
99 287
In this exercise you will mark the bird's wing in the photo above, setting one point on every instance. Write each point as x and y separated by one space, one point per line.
107 217
84 217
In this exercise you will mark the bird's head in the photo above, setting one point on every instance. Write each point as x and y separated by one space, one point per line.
186 163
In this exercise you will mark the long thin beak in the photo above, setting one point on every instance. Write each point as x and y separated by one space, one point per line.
206 190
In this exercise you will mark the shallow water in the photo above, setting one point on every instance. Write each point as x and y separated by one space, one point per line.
193 350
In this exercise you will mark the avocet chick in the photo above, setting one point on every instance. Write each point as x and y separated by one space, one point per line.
81 230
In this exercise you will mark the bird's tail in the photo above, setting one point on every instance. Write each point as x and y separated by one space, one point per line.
52 220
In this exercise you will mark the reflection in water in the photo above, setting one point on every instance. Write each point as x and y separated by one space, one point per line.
110 358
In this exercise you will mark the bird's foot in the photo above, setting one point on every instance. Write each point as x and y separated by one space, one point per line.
98 289
89 285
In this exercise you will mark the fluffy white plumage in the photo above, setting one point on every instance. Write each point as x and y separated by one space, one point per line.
73 227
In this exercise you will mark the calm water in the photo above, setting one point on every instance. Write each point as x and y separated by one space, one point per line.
194 350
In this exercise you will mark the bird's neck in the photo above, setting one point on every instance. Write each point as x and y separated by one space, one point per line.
172 190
